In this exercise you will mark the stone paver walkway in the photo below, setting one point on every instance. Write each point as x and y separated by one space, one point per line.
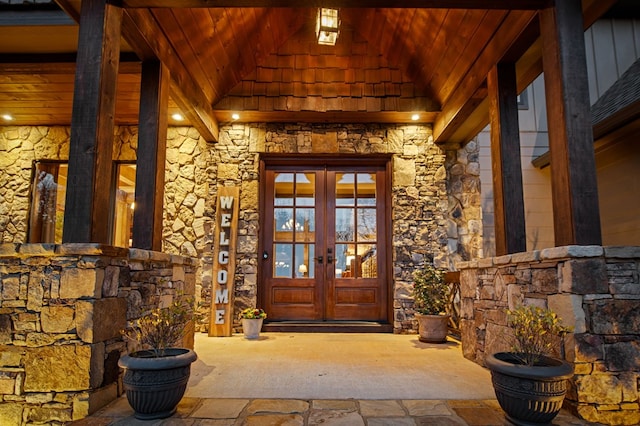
298 412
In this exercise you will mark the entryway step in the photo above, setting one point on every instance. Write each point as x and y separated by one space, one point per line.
327 327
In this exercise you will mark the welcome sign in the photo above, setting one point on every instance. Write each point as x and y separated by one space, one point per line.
224 261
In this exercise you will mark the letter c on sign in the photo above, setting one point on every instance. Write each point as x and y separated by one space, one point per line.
223 257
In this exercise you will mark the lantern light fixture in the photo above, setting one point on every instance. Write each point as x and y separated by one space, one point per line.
327 26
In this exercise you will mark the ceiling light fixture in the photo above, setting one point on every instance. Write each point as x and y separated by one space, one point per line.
415 117
7 117
177 117
235 116
327 26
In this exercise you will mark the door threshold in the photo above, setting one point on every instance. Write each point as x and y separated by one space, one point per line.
327 327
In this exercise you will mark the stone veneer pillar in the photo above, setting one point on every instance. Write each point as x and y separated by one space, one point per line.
61 312
594 289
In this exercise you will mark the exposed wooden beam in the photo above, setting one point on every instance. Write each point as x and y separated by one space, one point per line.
142 33
508 196
461 104
432 4
474 116
151 155
86 217
574 185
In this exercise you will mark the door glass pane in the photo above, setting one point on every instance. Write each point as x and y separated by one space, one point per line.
366 224
124 205
283 195
282 260
283 224
367 260
305 189
343 262
305 225
345 226
345 189
366 189
304 260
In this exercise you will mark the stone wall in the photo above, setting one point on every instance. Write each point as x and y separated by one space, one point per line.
435 193
594 289
61 312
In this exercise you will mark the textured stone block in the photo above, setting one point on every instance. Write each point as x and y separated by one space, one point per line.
100 320
5 329
11 413
585 276
571 251
599 389
78 283
10 287
614 316
57 368
569 308
57 319
623 356
586 347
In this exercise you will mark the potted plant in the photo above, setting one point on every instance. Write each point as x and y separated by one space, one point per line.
431 299
530 383
252 319
156 375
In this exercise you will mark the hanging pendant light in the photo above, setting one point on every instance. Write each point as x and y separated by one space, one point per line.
327 26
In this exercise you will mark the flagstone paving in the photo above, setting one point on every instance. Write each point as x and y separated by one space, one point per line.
298 412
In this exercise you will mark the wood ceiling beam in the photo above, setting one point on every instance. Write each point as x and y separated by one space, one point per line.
142 33
473 116
464 100
427 4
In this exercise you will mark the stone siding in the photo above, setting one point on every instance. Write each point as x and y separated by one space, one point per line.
435 193
595 290
61 311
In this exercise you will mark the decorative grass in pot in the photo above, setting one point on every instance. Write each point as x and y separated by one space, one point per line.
156 376
252 319
431 299
529 383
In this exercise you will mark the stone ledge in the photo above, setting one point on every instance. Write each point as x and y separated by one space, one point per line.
9 249
37 249
571 251
622 252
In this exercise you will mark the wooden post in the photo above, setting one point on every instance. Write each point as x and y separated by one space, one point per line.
224 261
87 208
576 214
151 155
508 199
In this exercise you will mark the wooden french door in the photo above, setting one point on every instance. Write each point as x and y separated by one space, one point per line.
323 237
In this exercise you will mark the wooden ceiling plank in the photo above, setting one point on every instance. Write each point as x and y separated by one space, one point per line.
184 91
182 47
431 4
473 50
454 111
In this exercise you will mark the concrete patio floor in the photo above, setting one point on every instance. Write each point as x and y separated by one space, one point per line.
329 379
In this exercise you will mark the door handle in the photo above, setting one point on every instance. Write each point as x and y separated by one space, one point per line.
329 258
319 259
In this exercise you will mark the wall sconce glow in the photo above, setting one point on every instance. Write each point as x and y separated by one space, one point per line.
7 117
177 117
415 117
235 116
327 26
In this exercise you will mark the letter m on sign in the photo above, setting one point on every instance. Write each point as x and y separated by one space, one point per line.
222 296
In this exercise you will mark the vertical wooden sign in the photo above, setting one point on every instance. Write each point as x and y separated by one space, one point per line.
224 261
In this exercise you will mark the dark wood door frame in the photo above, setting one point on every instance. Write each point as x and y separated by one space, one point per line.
295 162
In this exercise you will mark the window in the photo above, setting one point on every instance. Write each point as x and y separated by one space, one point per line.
48 197
49 190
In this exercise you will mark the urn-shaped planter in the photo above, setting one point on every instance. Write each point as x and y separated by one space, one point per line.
251 328
155 384
433 328
529 395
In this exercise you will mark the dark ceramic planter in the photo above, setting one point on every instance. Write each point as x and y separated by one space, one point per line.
155 385
529 395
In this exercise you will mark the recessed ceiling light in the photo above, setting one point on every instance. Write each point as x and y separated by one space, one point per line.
415 117
7 117
177 117
235 116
